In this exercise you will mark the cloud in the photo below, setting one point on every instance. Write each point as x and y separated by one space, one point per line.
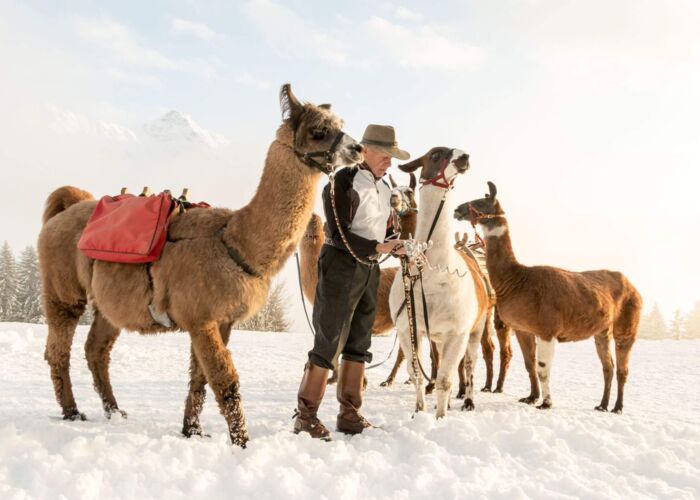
407 14
197 30
126 47
292 35
422 47
246 78
135 78
635 45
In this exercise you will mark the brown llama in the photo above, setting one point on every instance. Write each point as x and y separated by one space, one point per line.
556 305
475 253
215 269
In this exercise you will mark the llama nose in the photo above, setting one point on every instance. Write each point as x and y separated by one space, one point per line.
357 147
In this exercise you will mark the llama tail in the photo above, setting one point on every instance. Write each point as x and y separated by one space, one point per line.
61 199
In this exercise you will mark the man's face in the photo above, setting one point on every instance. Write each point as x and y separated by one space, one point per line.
377 161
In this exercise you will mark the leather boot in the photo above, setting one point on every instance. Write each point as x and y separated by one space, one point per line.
311 390
350 384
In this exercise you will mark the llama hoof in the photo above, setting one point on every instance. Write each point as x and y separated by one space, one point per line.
486 388
498 390
546 405
332 380
617 410
114 411
240 439
75 415
430 388
407 382
386 383
468 405
601 408
530 400
194 431
461 394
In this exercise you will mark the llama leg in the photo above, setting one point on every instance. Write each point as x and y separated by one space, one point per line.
624 334
390 379
333 378
545 355
452 350
434 364
217 364
197 389
470 365
623 349
506 352
62 320
602 345
414 373
487 349
461 371
527 346
98 346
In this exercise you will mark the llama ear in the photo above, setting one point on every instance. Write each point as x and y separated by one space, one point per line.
492 190
412 166
413 183
290 105
392 181
324 106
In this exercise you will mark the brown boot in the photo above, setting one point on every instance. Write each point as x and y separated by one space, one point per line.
311 390
350 384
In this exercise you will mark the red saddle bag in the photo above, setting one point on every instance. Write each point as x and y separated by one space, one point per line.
128 229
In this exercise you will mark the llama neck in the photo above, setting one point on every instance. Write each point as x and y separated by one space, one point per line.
267 230
504 269
442 235
408 224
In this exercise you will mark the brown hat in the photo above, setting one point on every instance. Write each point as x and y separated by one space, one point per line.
383 138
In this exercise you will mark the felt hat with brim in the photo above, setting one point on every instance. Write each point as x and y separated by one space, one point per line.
383 138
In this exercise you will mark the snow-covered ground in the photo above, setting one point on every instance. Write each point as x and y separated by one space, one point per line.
502 450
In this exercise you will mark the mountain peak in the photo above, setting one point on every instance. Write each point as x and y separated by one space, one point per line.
176 127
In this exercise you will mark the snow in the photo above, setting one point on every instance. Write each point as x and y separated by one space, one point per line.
502 450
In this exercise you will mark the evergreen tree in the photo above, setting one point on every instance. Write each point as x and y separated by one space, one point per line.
272 317
29 288
691 322
675 329
652 325
8 284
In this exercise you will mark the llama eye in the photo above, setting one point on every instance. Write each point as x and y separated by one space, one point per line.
435 156
319 134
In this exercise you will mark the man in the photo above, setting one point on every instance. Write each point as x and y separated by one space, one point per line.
346 293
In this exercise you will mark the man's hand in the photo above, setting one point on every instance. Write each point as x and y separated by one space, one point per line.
394 247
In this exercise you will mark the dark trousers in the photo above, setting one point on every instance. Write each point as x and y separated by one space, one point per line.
344 308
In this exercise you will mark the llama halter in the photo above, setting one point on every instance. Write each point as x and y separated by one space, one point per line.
308 158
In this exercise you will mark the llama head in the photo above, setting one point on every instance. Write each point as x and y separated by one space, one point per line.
486 211
403 198
316 130
440 166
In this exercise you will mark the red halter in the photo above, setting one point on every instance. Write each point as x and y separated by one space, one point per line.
441 180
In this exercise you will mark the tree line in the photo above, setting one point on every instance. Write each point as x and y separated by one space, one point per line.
20 295
681 326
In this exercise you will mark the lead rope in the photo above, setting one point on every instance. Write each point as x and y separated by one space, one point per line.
303 299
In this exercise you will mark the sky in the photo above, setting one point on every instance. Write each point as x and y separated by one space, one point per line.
584 114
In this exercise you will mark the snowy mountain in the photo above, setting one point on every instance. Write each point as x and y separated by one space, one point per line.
69 123
180 128
172 129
